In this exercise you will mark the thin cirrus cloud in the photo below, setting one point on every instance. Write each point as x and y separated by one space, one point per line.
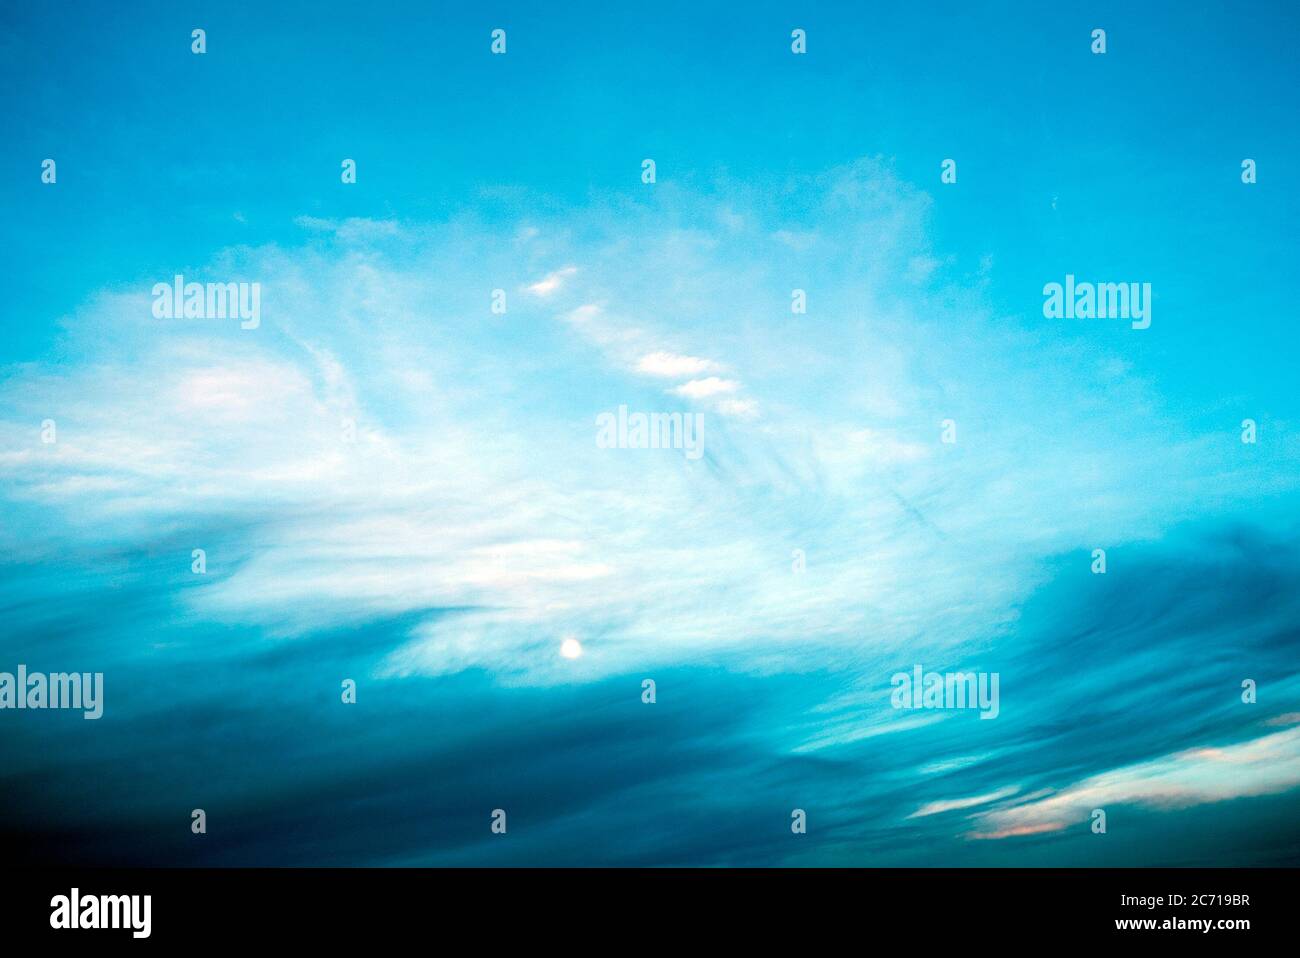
739 408
957 804
480 447
1268 764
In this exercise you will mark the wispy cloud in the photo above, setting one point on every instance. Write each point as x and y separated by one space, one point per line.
463 447
957 804
551 282
674 366
1261 766
704 388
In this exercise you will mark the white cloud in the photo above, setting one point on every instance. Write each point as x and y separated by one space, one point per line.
704 388
739 408
1262 766
957 804
674 366
882 447
586 313
551 282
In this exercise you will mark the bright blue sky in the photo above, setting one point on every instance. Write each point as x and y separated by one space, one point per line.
442 558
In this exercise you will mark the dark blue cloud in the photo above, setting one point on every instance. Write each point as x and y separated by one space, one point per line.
1101 672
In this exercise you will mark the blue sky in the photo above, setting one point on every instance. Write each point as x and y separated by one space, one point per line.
442 558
